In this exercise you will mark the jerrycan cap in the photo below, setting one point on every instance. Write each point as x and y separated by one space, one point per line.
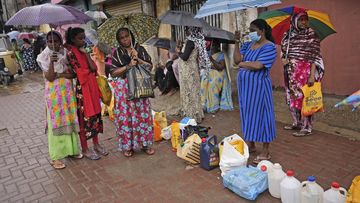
263 168
311 179
290 173
335 185
203 139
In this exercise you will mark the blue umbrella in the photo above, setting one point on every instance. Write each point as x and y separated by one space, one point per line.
212 7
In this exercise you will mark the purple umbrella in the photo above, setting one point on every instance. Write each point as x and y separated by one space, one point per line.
52 14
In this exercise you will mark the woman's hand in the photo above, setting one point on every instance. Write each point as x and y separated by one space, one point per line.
285 61
134 53
53 58
82 50
311 80
237 35
133 62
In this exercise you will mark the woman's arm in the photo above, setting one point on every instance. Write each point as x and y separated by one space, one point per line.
237 55
311 78
120 71
189 47
218 65
252 65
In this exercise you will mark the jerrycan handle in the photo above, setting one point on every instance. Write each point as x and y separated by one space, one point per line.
212 138
343 190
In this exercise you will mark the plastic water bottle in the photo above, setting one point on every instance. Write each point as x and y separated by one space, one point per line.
275 176
290 188
311 192
335 194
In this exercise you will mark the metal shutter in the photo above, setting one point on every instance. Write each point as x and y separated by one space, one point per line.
125 7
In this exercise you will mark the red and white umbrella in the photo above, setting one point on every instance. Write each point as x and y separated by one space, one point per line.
26 35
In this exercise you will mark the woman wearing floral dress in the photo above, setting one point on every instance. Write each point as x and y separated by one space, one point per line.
87 93
303 64
132 118
62 121
28 56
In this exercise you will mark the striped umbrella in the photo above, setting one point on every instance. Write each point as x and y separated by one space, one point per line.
212 7
280 21
353 100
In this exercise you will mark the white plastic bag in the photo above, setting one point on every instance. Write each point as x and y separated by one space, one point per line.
230 157
166 133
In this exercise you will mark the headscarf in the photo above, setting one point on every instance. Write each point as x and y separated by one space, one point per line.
121 58
43 58
304 44
198 38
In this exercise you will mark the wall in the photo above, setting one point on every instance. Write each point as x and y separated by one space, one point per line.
340 51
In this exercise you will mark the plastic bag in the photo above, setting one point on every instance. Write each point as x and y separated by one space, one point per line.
139 82
104 88
230 157
313 99
175 135
353 195
247 182
190 149
166 133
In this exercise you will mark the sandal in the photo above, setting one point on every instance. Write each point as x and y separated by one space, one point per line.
292 127
302 133
261 158
148 151
101 150
57 164
92 155
128 153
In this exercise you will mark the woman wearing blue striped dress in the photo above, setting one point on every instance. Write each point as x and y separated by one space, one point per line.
255 59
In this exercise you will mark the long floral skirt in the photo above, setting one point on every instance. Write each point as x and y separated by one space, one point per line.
132 119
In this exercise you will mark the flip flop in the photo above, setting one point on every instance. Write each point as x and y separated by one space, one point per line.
128 153
92 156
261 158
148 151
302 133
102 151
292 127
56 164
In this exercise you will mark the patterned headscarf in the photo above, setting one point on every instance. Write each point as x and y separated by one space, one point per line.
198 38
304 44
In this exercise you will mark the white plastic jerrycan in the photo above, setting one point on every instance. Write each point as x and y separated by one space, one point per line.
311 192
275 176
267 164
290 188
335 194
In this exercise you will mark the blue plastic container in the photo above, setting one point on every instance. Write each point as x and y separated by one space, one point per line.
209 153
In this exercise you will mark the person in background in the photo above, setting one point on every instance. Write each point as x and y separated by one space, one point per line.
215 88
303 64
133 119
255 60
165 78
28 56
191 60
62 121
87 93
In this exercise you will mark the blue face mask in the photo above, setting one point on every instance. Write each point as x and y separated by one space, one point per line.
254 36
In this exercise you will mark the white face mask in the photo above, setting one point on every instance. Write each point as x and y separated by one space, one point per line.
254 36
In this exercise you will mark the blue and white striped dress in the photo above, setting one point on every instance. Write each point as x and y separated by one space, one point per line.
255 94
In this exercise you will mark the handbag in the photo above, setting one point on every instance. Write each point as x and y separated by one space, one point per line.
105 89
139 82
313 99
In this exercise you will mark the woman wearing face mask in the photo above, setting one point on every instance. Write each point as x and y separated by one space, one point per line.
62 122
87 93
300 49
132 118
255 60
